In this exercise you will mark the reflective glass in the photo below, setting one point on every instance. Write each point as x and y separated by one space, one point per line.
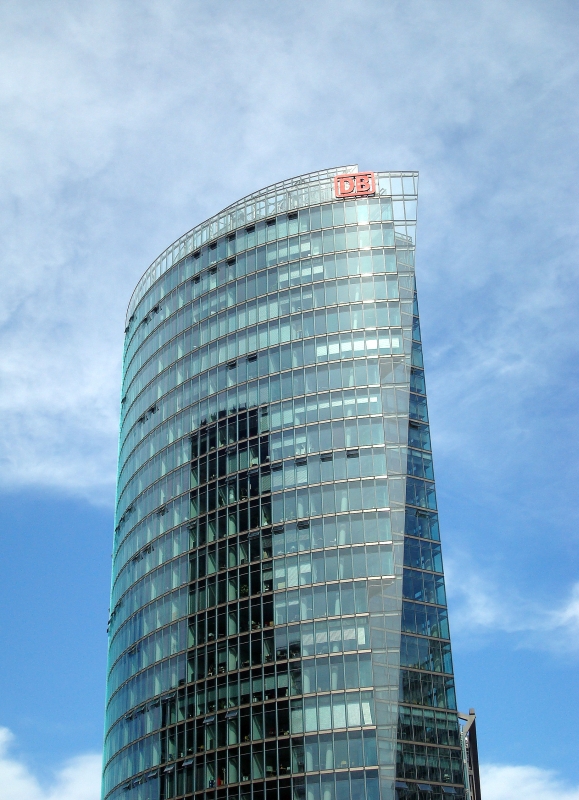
276 529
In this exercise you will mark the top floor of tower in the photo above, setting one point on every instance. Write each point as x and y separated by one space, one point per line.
289 196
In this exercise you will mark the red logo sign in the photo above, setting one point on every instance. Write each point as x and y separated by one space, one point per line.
358 184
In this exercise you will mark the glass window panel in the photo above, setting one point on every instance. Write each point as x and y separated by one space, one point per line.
310 715
339 710
327 762
324 712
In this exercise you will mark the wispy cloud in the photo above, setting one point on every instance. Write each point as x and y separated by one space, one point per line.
502 782
77 779
122 129
483 606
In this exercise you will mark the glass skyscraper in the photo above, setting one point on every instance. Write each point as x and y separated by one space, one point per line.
278 621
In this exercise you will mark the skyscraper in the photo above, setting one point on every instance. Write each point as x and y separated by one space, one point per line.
278 614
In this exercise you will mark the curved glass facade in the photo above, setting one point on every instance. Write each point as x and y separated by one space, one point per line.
278 617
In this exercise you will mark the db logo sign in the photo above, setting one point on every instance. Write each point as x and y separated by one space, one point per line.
359 184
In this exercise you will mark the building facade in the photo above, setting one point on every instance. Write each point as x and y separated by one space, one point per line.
278 617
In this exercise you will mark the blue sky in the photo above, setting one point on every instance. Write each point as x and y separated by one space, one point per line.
123 125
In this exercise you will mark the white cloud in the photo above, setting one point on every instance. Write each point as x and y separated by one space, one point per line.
123 127
502 782
78 779
482 605
567 617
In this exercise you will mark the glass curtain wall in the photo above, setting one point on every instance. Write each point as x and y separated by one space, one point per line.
278 621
